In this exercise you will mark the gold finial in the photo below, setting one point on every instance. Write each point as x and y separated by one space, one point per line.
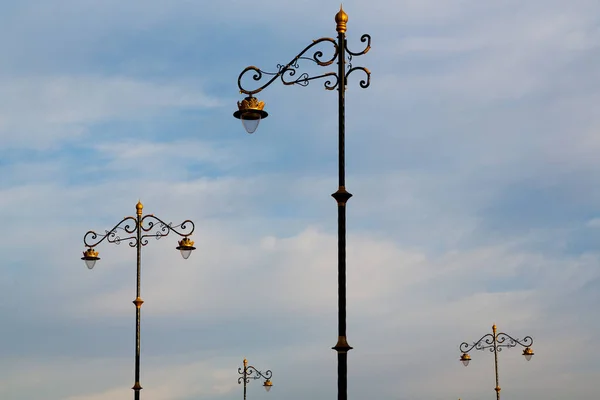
341 18
139 207
494 328
245 363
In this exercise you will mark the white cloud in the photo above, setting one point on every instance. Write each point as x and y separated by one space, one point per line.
37 112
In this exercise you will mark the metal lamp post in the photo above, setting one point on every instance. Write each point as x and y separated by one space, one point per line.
251 112
495 342
249 372
137 231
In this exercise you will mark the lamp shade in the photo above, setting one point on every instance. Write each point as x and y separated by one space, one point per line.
186 245
250 121
268 385
465 359
90 256
250 111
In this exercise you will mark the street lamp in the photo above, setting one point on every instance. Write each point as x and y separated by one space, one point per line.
251 112
495 342
249 372
138 229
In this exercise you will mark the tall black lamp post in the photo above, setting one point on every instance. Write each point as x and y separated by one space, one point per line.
137 230
495 342
249 372
251 111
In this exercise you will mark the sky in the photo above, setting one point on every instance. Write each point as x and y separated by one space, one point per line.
472 158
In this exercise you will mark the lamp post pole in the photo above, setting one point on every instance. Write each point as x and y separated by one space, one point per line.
495 342
137 231
249 372
251 111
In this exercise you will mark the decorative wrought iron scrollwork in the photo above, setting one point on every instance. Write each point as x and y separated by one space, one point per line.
502 337
501 340
165 228
251 372
130 225
127 224
287 72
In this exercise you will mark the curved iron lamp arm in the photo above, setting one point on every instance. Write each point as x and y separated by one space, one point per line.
251 372
502 337
487 341
288 71
130 225
111 236
163 229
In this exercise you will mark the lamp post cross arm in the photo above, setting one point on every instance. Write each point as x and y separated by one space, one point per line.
251 372
130 225
487 341
287 72
184 229
505 340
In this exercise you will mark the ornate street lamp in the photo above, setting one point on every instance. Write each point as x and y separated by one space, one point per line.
137 231
249 372
495 342
251 112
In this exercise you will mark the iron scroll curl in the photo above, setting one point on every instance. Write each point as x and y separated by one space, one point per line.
364 83
364 38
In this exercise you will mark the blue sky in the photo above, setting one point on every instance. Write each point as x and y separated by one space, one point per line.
472 158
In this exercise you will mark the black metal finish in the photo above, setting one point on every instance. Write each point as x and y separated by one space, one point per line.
250 372
495 342
138 234
287 74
